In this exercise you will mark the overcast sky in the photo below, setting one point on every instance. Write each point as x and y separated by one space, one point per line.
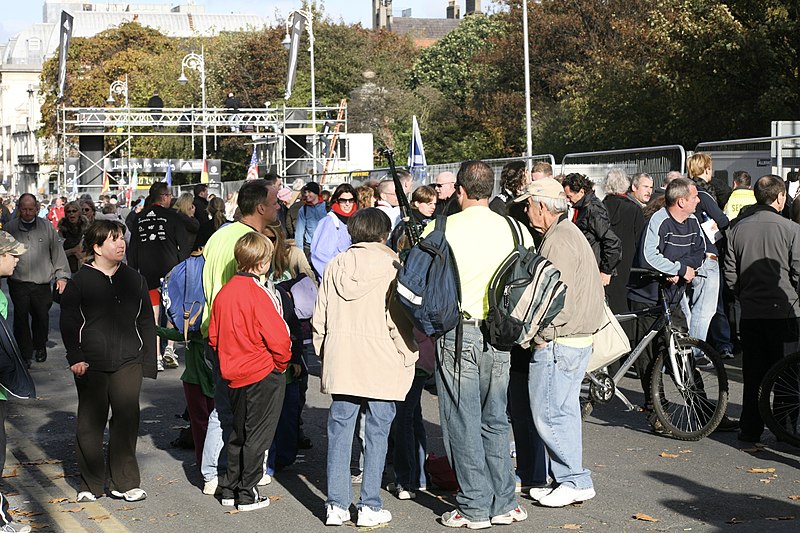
30 11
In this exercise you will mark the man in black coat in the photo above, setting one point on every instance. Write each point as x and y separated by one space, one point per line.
201 202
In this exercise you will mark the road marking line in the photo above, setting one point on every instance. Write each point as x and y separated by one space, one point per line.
61 488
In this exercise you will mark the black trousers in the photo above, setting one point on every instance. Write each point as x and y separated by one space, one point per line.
256 410
644 364
97 391
32 302
763 345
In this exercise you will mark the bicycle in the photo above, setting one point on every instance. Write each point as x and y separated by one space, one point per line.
779 399
689 400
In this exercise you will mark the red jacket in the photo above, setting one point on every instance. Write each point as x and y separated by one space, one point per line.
248 332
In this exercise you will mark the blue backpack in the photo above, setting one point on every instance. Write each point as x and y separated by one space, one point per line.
428 287
182 294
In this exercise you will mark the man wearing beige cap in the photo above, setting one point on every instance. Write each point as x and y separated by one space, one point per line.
14 377
561 350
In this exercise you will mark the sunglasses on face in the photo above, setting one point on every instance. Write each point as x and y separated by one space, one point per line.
346 200
440 185
72 211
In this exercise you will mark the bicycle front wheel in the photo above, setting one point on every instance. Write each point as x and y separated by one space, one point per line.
779 399
688 400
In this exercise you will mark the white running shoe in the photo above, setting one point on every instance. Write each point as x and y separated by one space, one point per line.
85 496
336 516
515 515
266 479
170 358
564 495
368 518
210 487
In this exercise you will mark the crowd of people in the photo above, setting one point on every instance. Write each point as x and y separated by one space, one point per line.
289 273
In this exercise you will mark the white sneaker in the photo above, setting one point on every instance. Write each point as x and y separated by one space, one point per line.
160 364
227 502
260 503
336 516
566 494
266 479
133 495
170 357
86 496
367 517
356 478
537 493
515 515
404 494
210 487
455 519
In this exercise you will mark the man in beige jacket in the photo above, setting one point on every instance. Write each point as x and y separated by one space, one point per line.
562 350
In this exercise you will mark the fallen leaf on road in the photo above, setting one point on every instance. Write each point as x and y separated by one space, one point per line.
36 525
171 514
734 521
13 473
274 498
753 450
760 470
58 500
645 518
776 518
27 513
232 512
100 517
125 508
571 526
795 497
71 510
373 528
765 481
40 462
668 455
685 451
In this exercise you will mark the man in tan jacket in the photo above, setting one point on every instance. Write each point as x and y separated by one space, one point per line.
561 351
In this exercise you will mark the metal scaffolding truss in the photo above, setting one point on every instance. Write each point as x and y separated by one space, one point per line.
288 137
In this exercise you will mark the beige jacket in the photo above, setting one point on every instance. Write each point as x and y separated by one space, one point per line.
362 336
569 251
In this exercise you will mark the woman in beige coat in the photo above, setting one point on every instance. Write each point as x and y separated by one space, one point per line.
368 354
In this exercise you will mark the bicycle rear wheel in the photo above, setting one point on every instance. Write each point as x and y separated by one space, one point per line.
691 404
779 399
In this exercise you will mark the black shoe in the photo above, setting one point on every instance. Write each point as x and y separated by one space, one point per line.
727 425
305 444
41 355
656 426
745 437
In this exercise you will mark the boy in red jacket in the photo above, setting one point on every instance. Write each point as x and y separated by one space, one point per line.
252 340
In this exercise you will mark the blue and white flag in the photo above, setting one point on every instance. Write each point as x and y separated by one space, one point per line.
168 176
416 153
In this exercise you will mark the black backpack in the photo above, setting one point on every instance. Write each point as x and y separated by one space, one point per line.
525 295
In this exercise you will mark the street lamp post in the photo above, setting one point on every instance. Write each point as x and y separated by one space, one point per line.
528 137
309 18
120 88
197 62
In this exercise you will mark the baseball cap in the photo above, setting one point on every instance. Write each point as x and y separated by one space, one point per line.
10 245
546 187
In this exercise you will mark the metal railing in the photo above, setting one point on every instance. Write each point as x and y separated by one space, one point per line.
657 161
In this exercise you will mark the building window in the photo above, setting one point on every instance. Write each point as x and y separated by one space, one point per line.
34 45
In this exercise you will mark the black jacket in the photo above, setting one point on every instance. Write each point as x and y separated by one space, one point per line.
200 209
627 222
447 207
14 375
592 220
108 321
158 243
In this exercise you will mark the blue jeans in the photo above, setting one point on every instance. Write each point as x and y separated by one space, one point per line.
531 452
410 440
554 384
283 451
703 296
472 411
220 423
341 427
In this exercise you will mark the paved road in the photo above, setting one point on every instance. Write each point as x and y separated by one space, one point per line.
705 488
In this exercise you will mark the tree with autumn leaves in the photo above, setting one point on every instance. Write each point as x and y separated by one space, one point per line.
604 75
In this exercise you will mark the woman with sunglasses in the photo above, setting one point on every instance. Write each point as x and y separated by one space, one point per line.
331 237
71 228
88 210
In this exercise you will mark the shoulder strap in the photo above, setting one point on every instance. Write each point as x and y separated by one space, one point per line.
515 231
441 222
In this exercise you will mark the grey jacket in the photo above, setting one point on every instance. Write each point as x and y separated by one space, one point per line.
762 265
569 251
45 259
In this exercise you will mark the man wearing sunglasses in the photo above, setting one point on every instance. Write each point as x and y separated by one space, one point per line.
447 201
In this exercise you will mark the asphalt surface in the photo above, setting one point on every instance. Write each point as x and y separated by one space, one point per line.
693 486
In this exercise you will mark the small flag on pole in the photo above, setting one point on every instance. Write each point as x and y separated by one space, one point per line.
204 173
252 171
106 186
416 153
168 175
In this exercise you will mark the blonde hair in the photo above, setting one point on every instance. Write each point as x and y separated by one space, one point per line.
698 163
251 250
184 202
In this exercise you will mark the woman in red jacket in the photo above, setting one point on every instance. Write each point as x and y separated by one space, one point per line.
252 341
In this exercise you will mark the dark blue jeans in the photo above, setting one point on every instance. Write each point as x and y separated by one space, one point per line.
410 440
531 452
283 451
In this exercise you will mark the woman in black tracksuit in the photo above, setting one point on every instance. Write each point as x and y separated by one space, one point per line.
109 333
